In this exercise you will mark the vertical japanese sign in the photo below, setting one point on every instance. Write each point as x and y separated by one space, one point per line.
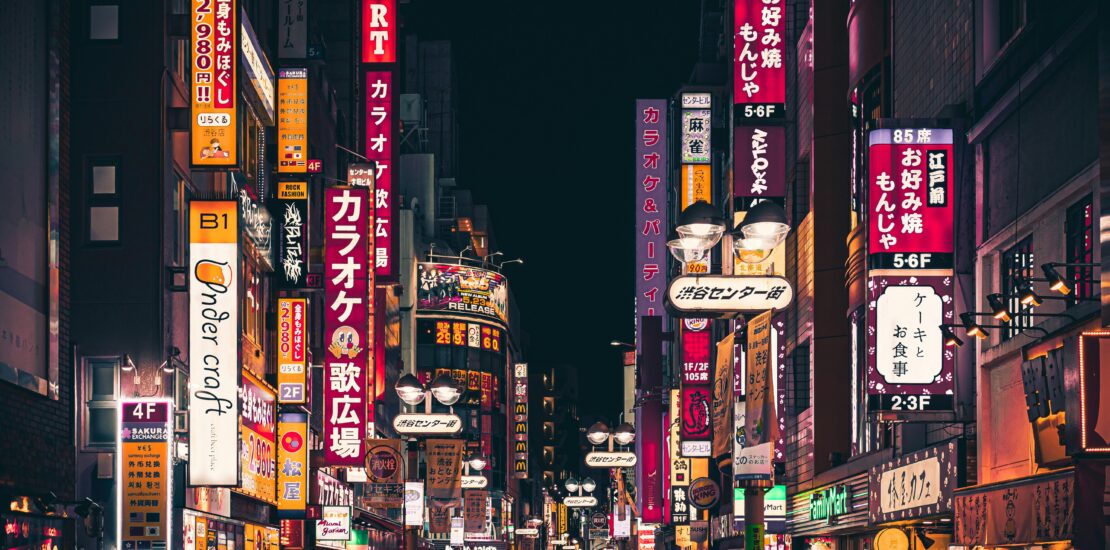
759 69
292 121
520 420
695 184
292 358
759 161
292 214
649 450
679 466
292 464
697 405
444 474
722 398
214 343
696 124
346 324
292 29
695 350
651 207
911 221
257 439
909 368
385 471
755 462
214 128
379 31
145 470
475 510
380 149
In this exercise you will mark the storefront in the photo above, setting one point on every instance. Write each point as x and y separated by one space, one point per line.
832 516
911 496
34 532
1035 511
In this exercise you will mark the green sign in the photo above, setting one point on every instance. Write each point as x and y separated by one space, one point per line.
753 536
830 503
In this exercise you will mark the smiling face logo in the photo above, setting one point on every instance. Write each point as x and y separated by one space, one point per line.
344 342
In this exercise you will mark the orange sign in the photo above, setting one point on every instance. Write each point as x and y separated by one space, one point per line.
292 112
292 377
696 184
214 98
145 471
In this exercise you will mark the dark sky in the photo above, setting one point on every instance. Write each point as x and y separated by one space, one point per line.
546 124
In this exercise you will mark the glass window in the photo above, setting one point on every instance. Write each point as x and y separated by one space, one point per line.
1017 270
1011 17
104 179
1080 249
101 392
102 425
800 364
104 223
103 22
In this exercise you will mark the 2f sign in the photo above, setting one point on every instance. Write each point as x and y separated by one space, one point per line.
379 18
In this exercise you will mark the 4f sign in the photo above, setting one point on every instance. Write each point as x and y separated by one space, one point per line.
379 30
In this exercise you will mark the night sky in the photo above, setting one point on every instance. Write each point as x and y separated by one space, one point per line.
546 103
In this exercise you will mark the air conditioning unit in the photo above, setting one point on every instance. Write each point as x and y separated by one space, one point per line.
105 465
412 109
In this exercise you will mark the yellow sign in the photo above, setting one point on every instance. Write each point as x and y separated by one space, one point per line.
696 184
214 99
562 519
680 467
292 461
292 113
292 190
292 356
257 434
145 471
682 536
260 537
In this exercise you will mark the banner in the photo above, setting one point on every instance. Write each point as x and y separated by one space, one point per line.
444 471
214 343
292 121
346 325
379 147
759 408
722 398
759 157
414 504
439 518
292 377
385 467
257 436
759 62
475 510
292 464
651 208
145 466
461 289
214 130
292 216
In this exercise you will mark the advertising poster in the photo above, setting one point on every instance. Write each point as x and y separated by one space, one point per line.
257 438
651 207
145 472
760 424
334 523
385 468
292 111
759 66
292 234
346 324
292 464
292 374
722 398
214 131
381 127
414 504
444 474
214 343
475 510
462 289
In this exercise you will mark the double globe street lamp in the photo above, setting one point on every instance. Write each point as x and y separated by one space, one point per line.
600 434
578 500
444 389
701 226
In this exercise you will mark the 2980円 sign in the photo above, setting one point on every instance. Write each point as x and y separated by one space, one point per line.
726 296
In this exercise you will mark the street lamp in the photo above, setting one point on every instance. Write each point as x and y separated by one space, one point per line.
702 223
625 434
410 390
999 310
973 328
445 389
476 462
687 249
598 433
950 338
589 485
572 485
766 220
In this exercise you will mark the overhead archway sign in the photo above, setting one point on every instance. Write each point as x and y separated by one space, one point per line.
726 295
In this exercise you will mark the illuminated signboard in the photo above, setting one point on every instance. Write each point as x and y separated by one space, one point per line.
292 217
292 358
380 149
462 290
214 343
909 369
759 63
696 184
346 324
461 334
696 124
145 466
911 202
292 464
520 420
697 400
759 161
379 31
214 131
258 403
292 121
695 351
651 207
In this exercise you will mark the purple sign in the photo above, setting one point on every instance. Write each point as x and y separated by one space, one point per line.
651 208
759 161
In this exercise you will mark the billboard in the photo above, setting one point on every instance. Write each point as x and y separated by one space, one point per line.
696 124
214 128
292 376
257 438
379 31
214 343
145 466
754 460
346 324
909 368
651 207
464 290
520 420
911 203
292 464
292 215
759 161
695 337
292 110
469 334
379 148
759 62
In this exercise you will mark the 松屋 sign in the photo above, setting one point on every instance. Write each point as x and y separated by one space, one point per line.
292 463
724 295
214 343
214 131
610 460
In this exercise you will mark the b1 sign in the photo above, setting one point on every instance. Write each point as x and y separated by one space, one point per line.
725 295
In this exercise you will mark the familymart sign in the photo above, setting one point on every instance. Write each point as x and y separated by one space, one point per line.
829 504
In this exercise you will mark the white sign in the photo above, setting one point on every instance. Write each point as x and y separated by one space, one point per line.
726 295
414 504
696 147
427 424
622 523
749 462
580 502
923 473
292 29
474 482
458 530
214 343
697 100
528 532
909 316
610 460
692 449
334 523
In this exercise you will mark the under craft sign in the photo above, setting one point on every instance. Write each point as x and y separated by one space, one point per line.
724 295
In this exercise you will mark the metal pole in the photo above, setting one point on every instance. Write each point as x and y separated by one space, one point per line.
753 510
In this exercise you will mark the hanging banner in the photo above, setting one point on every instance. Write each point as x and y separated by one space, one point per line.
379 31
911 220
292 29
439 518
292 464
292 121
475 510
214 343
651 208
257 436
214 131
759 161
414 504
145 466
696 125
385 472
292 216
380 149
346 325
695 337
759 65
723 433
520 420
444 474
909 369
760 424
292 377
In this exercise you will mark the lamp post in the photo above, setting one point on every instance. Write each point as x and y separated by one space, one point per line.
599 434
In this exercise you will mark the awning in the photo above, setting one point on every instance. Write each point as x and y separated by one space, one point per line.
374 521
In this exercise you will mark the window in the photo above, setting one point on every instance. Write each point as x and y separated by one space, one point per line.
101 392
1079 242
1010 19
800 367
1016 270
182 194
103 22
103 177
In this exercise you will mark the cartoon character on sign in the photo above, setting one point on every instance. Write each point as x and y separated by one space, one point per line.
213 150
697 418
213 273
344 341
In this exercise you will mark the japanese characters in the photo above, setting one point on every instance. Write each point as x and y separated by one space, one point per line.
759 70
215 123
651 205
